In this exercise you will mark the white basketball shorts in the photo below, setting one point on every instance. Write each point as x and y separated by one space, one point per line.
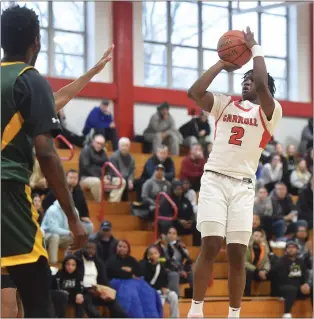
226 201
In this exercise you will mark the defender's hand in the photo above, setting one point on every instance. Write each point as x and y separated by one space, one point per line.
249 38
104 60
79 234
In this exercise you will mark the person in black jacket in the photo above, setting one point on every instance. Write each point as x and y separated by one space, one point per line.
122 265
155 274
185 222
289 276
92 159
106 243
69 279
161 157
93 272
305 204
72 178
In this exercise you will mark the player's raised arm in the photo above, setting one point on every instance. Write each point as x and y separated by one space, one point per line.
198 91
260 76
67 93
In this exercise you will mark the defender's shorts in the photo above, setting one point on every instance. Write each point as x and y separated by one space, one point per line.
226 201
21 237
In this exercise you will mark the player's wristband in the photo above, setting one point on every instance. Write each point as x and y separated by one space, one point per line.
257 51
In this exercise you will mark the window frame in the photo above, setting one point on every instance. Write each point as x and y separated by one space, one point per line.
201 49
51 30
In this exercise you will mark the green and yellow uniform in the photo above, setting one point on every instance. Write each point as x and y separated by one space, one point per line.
27 110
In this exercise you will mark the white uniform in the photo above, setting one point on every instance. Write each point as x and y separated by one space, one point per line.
241 133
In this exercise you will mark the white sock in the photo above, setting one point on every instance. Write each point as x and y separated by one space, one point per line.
196 307
234 312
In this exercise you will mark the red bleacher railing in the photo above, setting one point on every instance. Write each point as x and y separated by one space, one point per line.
105 187
69 145
157 217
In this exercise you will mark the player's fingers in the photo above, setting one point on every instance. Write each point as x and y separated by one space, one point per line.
109 50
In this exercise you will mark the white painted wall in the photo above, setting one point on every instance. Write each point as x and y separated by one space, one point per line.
289 130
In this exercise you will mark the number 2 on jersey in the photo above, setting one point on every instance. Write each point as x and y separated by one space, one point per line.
237 134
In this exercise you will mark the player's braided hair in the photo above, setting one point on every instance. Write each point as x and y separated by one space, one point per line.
19 29
271 82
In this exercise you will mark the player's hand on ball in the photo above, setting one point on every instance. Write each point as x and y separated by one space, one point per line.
249 38
104 59
79 234
229 67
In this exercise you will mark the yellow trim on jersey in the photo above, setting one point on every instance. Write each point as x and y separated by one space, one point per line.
11 63
16 122
38 248
24 70
12 129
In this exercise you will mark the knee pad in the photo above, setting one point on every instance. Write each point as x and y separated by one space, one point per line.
212 229
238 237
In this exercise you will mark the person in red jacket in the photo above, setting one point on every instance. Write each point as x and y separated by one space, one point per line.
192 166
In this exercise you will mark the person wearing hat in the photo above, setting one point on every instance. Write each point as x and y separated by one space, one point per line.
162 130
290 277
153 186
106 242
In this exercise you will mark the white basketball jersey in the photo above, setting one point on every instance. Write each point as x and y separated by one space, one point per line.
242 131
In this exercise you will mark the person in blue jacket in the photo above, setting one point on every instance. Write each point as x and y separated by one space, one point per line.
101 120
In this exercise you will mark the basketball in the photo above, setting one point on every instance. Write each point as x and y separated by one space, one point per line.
232 48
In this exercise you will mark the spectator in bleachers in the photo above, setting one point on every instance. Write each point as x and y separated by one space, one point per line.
56 229
39 207
195 131
262 203
284 211
192 166
291 157
177 256
301 238
290 278
257 263
271 173
125 163
268 150
93 272
155 274
306 138
77 140
153 186
38 182
161 157
279 150
162 130
72 178
190 194
69 279
92 159
305 203
106 243
137 298
299 177
185 222
101 121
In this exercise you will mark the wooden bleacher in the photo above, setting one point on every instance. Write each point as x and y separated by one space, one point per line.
140 236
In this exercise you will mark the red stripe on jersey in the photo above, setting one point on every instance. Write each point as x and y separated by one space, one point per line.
266 135
216 122
237 104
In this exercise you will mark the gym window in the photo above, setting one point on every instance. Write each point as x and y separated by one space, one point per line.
63 36
180 41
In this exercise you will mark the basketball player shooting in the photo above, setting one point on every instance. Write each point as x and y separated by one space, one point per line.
243 129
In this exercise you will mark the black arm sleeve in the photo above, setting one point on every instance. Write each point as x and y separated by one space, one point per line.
34 99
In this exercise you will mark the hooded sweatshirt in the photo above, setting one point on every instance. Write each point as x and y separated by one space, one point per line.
55 221
72 283
152 187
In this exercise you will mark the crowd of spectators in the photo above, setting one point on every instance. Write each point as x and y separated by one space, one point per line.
105 269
